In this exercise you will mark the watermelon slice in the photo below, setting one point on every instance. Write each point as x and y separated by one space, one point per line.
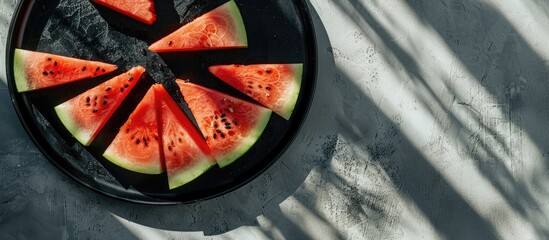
136 147
140 10
35 70
230 125
186 153
220 28
276 86
85 114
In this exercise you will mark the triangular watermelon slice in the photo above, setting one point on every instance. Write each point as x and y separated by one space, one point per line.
85 114
186 154
276 86
140 10
230 125
35 70
136 147
220 28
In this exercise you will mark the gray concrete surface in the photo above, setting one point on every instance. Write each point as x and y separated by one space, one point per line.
429 122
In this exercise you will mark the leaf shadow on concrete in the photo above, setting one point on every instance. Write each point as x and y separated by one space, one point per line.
522 102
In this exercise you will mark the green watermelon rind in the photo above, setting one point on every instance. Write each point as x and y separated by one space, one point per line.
297 73
121 161
238 22
249 141
187 175
21 80
63 112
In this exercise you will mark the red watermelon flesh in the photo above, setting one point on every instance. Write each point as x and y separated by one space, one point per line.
85 114
35 70
230 125
220 28
186 154
140 10
276 86
136 147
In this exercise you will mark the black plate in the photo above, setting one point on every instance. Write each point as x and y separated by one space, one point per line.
278 32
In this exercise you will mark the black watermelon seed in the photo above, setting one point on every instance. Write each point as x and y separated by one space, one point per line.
95 110
215 125
268 88
235 122
170 43
169 148
223 120
45 73
228 127
84 68
269 71
121 89
138 141
55 63
215 136
127 130
108 89
103 70
126 85
129 80
49 59
106 96
218 131
104 102
222 135
97 69
223 115
250 86
88 99
51 72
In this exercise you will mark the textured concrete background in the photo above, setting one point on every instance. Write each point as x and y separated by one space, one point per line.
429 122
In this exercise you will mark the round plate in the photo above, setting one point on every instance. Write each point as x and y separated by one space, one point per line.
278 32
